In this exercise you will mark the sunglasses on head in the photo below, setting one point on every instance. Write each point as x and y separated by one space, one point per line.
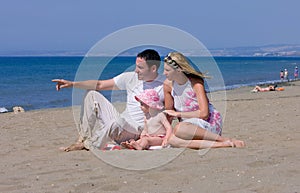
171 62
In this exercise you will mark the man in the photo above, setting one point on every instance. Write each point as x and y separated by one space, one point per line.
96 108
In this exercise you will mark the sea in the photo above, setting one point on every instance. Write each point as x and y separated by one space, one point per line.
26 81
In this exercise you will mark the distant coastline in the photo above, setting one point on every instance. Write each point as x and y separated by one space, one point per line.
282 50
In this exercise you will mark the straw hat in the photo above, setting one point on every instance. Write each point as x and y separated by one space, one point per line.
150 97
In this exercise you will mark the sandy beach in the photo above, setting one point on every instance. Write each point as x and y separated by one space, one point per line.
268 122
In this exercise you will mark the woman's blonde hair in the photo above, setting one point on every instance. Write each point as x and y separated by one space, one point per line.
177 60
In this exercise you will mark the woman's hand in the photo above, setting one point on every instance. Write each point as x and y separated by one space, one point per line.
172 113
61 83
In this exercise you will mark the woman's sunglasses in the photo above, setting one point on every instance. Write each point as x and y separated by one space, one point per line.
171 62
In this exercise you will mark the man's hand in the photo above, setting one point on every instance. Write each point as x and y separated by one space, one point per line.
61 83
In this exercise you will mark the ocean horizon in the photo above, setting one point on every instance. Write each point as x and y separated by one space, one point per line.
26 81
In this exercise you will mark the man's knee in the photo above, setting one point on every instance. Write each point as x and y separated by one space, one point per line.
93 99
92 94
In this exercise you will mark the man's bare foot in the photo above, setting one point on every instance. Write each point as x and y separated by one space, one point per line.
74 147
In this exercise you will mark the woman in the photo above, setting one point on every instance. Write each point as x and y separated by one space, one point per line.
200 125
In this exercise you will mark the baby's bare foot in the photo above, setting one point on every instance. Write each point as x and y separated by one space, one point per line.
135 145
127 145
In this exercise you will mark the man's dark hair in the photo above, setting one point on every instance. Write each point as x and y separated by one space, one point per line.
151 57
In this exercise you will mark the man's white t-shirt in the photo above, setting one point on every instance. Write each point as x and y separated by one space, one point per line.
129 81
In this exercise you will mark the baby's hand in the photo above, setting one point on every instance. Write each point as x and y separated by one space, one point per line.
164 143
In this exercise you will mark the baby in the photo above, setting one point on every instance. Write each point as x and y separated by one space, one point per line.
157 128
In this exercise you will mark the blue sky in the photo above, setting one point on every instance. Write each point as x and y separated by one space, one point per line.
76 25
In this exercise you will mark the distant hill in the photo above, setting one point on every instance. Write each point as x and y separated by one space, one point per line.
42 53
268 50
258 51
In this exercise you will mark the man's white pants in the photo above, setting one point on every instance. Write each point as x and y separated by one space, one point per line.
100 123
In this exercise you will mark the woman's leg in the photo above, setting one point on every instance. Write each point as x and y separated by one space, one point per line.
188 131
192 136
198 144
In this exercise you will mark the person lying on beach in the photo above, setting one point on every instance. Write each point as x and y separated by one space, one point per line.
269 88
115 126
157 128
200 124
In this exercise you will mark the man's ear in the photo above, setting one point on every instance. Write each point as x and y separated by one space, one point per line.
154 68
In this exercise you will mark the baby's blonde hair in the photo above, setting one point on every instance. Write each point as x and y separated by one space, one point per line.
176 59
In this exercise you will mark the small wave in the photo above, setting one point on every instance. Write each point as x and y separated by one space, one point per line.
59 101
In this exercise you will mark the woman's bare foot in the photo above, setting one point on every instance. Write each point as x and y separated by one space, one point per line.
238 143
228 143
74 147
234 143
